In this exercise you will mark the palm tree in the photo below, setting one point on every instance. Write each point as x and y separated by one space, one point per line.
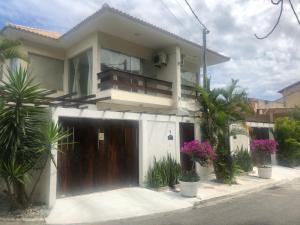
26 135
219 108
10 49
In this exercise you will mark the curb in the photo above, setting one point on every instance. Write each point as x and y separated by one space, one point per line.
4 219
241 193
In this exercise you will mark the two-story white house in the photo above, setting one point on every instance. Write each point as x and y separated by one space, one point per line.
143 78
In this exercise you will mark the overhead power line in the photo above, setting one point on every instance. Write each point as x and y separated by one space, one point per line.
178 3
205 31
197 18
170 11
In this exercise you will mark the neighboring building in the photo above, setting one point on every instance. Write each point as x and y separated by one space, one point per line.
260 106
268 111
142 77
291 95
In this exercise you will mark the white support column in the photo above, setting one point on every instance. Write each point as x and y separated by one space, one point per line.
52 172
143 150
96 63
197 130
177 82
66 76
273 157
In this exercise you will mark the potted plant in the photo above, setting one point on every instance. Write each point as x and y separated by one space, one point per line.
202 153
262 150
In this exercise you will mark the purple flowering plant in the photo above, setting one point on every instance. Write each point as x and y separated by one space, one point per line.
201 152
262 149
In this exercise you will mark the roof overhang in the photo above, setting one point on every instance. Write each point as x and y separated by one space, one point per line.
114 22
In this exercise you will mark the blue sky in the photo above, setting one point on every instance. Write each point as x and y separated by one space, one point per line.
262 67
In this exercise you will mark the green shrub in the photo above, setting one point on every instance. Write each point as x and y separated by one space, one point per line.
164 172
287 134
225 167
243 159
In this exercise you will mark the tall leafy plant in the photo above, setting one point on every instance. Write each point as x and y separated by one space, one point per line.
10 49
163 172
243 159
287 134
219 108
26 136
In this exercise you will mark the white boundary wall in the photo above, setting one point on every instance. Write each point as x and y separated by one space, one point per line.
153 140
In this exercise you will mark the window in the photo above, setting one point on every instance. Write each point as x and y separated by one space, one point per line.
80 74
188 78
14 64
113 59
47 71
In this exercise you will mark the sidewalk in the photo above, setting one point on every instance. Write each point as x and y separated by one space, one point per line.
135 202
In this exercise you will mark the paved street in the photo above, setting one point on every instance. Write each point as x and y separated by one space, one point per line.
279 205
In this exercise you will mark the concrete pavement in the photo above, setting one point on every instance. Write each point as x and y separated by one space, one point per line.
278 205
138 202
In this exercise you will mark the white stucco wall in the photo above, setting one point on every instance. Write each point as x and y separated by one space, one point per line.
153 139
239 140
158 143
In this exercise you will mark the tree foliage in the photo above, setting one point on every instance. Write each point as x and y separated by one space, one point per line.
219 108
26 136
10 49
287 134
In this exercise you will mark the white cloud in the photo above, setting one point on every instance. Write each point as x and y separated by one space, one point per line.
263 67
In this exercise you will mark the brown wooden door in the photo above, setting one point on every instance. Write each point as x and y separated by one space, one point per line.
186 131
104 155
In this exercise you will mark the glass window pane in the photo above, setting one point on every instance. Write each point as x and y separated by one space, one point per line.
135 65
112 59
14 64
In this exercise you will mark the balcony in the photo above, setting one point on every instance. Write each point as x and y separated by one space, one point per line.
132 89
188 92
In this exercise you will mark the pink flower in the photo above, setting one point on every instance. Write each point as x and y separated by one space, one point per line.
267 146
201 152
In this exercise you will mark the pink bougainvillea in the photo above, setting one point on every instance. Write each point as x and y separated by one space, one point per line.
201 152
266 146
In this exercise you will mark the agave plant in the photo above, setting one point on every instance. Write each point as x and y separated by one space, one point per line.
27 135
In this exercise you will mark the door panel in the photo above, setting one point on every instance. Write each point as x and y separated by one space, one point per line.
92 164
186 131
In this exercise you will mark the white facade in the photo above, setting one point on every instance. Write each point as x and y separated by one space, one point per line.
158 116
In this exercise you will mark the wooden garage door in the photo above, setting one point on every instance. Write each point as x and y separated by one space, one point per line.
101 154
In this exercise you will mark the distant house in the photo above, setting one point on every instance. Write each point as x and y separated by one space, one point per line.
291 95
142 77
262 122
268 111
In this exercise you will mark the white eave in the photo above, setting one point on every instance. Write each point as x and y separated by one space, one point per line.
114 22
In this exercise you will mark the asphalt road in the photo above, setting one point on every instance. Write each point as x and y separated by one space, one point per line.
279 205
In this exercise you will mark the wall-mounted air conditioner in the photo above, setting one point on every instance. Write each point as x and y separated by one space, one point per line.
160 59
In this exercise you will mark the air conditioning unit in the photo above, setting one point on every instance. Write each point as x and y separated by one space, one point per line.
160 59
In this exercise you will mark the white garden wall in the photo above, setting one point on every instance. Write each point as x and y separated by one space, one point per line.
158 143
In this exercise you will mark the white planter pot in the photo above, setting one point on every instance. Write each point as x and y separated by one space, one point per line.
189 189
265 172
